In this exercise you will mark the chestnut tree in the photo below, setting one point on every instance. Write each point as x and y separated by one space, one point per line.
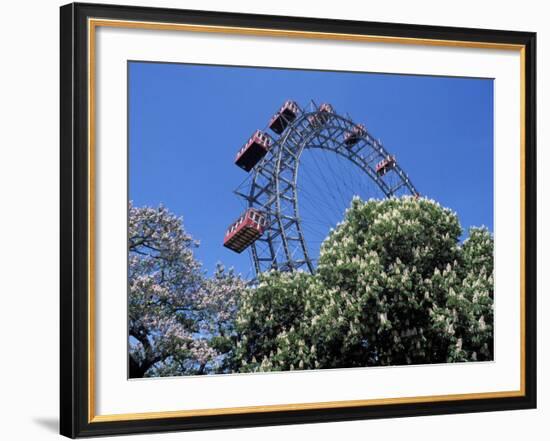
394 285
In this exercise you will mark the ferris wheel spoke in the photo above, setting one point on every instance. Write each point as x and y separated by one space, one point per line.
320 191
328 185
329 200
336 179
348 180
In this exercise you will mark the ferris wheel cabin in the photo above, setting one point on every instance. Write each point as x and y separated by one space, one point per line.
254 150
245 230
385 165
286 114
352 137
321 117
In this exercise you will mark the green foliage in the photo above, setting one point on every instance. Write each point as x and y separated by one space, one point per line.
393 286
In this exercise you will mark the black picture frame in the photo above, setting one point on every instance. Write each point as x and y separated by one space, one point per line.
75 414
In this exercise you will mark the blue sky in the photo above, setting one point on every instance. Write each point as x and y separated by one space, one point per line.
186 123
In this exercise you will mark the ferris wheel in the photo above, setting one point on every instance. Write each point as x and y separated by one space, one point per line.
301 178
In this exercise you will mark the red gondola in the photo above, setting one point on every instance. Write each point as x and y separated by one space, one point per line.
286 114
385 165
245 230
321 116
351 137
254 150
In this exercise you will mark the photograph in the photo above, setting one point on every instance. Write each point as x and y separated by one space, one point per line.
290 219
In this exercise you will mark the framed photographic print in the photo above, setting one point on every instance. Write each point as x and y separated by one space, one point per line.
272 220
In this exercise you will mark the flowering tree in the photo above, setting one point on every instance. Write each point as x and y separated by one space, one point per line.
393 286
175 314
